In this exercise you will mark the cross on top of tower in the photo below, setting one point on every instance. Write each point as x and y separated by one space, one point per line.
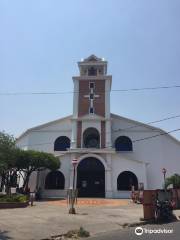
92 96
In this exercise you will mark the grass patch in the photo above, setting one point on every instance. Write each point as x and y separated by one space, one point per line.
72 234
80 233
17 198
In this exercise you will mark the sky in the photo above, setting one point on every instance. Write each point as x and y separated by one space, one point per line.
41 42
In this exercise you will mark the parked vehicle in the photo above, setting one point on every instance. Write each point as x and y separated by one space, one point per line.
163 206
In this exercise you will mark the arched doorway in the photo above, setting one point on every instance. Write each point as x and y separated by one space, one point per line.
126 180
91 178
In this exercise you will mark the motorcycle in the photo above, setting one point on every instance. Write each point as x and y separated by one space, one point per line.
163 210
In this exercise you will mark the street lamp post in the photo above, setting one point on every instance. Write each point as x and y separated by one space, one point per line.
74 163
164 174
72 193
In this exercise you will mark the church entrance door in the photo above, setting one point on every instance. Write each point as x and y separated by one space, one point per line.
91 178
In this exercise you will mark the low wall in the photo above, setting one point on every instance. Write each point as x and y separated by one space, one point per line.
4 205
54 194
122 194
48 193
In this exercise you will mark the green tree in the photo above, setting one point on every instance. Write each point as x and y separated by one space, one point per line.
29 161
7 159
15 161
174 179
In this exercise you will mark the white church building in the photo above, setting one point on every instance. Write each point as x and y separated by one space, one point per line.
112 155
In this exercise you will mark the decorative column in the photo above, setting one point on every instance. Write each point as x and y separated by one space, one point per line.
109 190
75 98
109 193
74 134
107 111
75 114
107 98
108 134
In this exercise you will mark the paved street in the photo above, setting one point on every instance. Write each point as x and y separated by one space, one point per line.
129 233
46 219
51 218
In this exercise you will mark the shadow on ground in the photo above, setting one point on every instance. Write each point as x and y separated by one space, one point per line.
4 235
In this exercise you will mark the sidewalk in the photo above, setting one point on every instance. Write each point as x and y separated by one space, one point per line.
51 218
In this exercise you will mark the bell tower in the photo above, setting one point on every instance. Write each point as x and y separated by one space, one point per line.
91 102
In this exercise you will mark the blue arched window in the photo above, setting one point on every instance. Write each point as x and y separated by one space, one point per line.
126 180
123 143
61 143
55 180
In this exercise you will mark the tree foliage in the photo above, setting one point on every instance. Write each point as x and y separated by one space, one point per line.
14 161
7 159
29 161
174 180
7 150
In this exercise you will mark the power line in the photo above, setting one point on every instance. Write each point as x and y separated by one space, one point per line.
154 136
33 93
120 129
146 88
71 92
157 135
137 125
137 140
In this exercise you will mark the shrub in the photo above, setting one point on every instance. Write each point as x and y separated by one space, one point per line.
83 233
13 198
174 179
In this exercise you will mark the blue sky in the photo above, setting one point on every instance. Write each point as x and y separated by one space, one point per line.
41 42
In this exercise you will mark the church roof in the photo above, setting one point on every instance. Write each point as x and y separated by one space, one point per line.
145 125
93 58
43 125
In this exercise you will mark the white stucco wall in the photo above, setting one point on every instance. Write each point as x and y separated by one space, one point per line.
171 155
121 163
43 138
65 169
158 152
146 160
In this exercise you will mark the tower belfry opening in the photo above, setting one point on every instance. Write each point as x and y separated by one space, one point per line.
91 138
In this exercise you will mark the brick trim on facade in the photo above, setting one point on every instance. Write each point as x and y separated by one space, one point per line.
103 129
84 103
79 133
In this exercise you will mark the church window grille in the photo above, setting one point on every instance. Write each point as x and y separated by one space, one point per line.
62 143
91 85
91 96
55 180
123 143
91 110
126 180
